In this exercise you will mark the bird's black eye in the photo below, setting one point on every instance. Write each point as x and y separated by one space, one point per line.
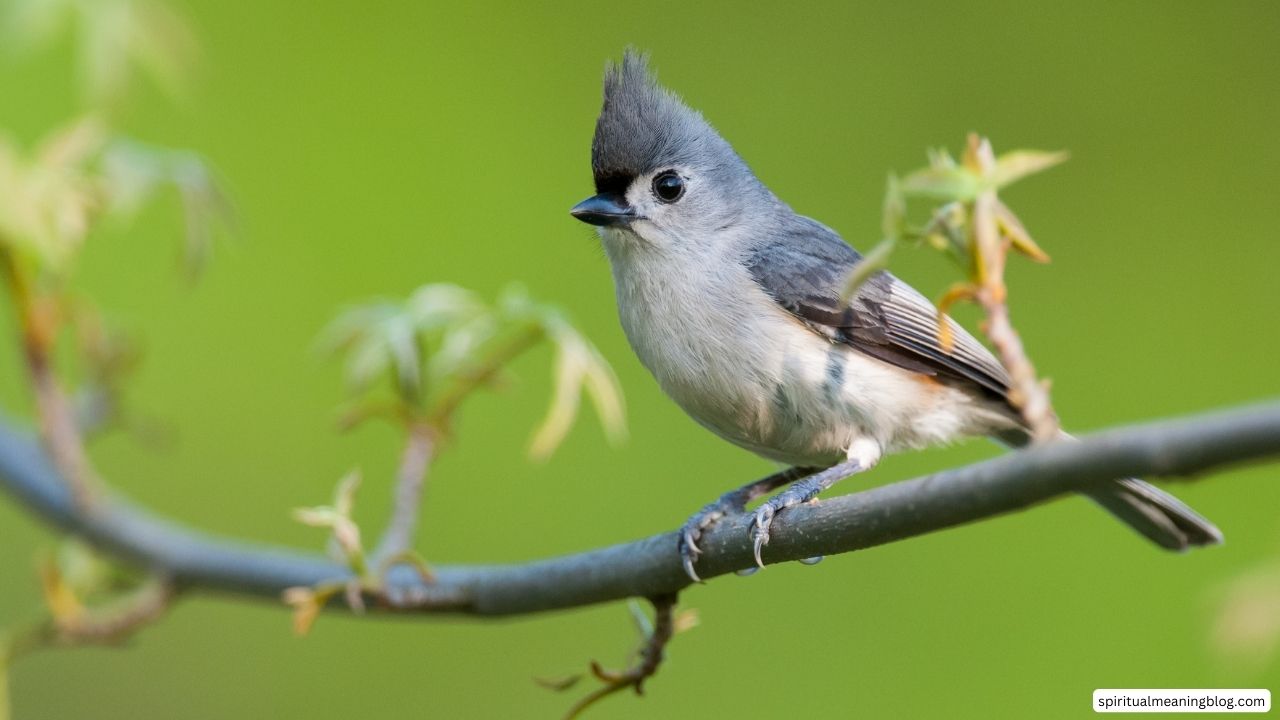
668 186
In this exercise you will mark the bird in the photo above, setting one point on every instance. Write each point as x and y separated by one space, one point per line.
732 301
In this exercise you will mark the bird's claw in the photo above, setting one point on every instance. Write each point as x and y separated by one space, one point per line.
735 503
689 550
759 530
691 533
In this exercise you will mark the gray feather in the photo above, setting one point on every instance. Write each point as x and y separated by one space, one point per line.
644 127
803 268
1152 512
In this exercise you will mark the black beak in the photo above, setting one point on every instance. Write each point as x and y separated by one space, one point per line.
604 209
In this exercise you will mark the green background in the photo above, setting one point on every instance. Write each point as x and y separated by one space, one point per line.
373 147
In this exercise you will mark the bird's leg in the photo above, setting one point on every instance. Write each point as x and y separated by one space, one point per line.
862 455
731 503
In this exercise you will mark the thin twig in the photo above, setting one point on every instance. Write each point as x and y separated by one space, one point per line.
990 250
444 406
415 461
649 659
1029 394
123 617
59 427
651 567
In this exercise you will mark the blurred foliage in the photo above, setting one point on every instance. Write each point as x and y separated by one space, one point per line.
50 201
373 148
1246 630
950 227
444 342
436 348
113 38
642 663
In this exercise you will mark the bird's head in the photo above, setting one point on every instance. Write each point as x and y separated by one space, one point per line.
663 176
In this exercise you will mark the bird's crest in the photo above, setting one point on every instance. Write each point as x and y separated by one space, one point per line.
643 126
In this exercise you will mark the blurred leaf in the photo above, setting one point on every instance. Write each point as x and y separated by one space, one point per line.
870 264
134 172
577 364
464 344
686 620
441 304
460 345
559 684
1247 626
1017 164
369 358
943 183
307 604
1011 227
980 170
361 333
894 210
30 23
383 337
405 353
113 38
954 294
47 203
61 599
565 398
337 518
940 159
50 202
606 396
947 231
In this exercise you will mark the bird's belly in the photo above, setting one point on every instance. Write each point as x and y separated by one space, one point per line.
792 396
759 378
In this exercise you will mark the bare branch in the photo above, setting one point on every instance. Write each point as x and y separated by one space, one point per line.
1028 394
648 659
58 422
651 567
415 461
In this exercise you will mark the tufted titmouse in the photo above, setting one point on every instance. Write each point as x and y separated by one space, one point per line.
731 300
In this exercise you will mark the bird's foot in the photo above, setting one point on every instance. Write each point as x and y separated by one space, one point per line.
801 492
731 503
693 528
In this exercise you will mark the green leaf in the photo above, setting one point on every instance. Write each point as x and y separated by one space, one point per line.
403 348
606 396
459 345
337 518
48 203
577 364
943 183
115 39
463 344
870 264
1017 164
136 172
441 304
894 212
370 358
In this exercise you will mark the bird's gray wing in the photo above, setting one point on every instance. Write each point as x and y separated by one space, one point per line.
803 269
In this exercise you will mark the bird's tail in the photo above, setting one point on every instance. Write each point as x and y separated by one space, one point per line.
1161 517
1157 515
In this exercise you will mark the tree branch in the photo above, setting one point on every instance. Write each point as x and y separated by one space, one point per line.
651 567
415 461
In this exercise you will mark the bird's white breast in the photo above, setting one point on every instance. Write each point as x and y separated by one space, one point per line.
755 375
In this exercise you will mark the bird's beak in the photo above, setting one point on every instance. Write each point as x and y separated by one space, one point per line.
604 209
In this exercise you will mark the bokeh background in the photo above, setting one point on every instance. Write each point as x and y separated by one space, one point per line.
373 147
